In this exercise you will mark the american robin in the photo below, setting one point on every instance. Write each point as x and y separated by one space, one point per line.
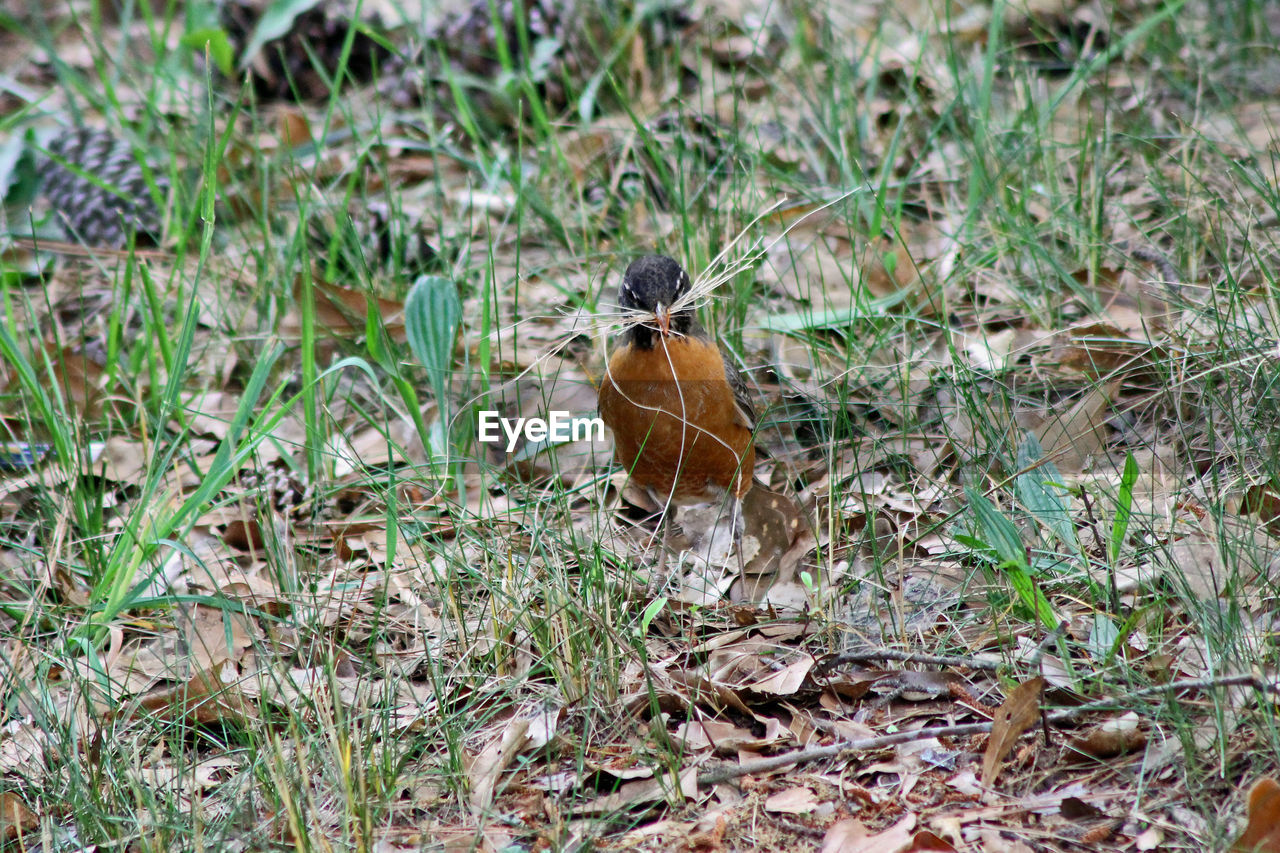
681 418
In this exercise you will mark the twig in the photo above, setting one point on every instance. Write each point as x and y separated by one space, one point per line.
866 744
870 744
75 250
1050 639
1069 714
908 657
941 660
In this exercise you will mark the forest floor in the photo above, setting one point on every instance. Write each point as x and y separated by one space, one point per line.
1001 281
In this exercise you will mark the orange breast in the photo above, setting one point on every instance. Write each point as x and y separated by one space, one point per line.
679 438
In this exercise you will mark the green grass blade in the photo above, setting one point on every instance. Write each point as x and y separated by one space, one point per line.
1124 508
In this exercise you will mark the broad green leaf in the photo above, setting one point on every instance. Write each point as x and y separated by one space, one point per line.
17 171
1000 535
1029 594
996 530
1104 636
216 41
1038 490
1124 508
277 19
650 613
432 313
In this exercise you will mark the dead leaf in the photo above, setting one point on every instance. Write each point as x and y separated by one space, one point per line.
533 727
725 738
80 377
244 535
1262 835
81 380
798 800
851 836
640 791
925 841
778 528
844 835
216 636
15 818
1018 713
342 312
1197 562
761 666
1074 808
1112 738
492 760
1097 349
786 681
209 697
571 458
292 126
1080 432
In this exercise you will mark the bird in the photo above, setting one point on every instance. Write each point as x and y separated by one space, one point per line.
682 420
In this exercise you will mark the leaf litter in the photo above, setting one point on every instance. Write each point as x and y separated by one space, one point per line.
741 717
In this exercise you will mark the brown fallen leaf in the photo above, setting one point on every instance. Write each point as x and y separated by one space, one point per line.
787 680
777 523
209 697
244 535
723 737
639 792
79 376
1262 834
493 759
1112 738
533 727
852 836
1018 713
293 126
15 818
343 312
562 388
214 637
1097 349
844 835
1071 437
798 800
925 841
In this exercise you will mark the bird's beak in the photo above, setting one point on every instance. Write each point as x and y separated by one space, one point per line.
662 314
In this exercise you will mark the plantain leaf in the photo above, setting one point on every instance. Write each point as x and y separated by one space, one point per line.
1124 508
432 314
276 20
1039 491
218 44
999 534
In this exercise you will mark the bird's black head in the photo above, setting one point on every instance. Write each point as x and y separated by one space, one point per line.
653 284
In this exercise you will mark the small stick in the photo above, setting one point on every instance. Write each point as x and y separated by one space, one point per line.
1050 639
866 744
1066 715
939 660
908 657
870 744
